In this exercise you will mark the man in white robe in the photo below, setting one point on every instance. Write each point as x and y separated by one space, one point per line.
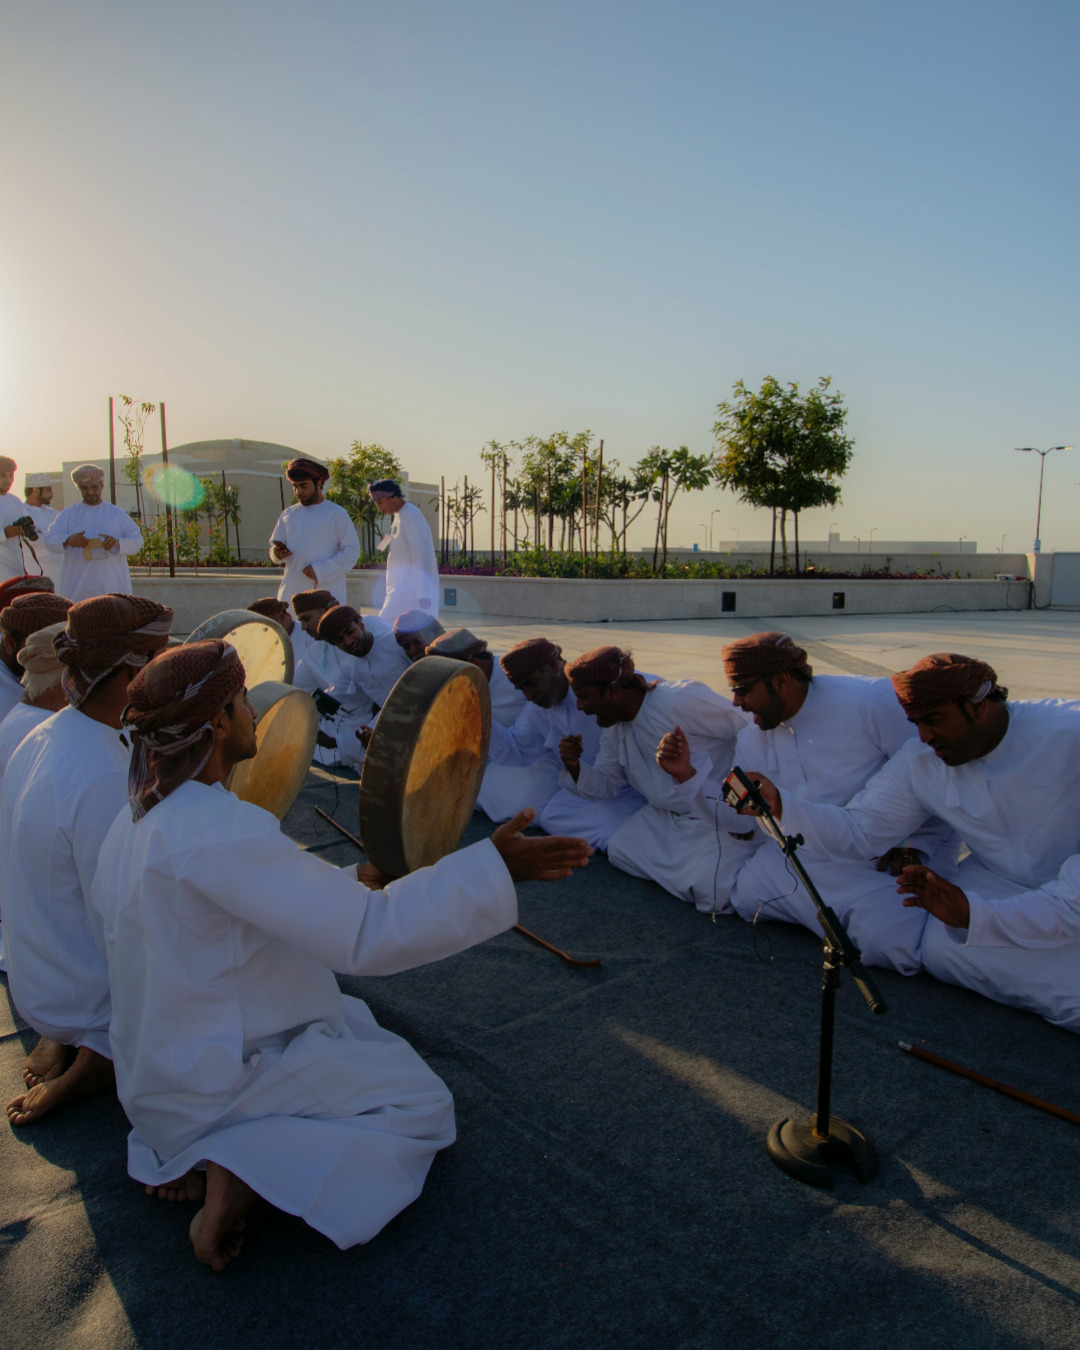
22 621
822 737
61 792
537 671
372 662
11 510
677 838
314 539
412 574
235 1050
42 692
95 540
39 495
270 607
1005 775
505 789
415 631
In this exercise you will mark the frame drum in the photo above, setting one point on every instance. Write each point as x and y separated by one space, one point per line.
285 740
262 644
424 764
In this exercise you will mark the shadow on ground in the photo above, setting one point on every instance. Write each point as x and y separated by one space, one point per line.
610 1184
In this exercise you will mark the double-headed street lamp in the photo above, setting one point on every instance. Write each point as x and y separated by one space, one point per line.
1031 450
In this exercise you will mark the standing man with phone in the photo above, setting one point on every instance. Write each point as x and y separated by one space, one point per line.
314 539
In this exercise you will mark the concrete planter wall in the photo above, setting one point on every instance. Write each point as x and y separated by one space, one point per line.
470 599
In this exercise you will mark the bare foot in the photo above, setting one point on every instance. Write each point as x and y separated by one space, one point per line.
217 1231
47 1060
191 1186
89 1073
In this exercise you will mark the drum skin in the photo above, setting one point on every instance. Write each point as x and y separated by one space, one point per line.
261 644
424 765
285 740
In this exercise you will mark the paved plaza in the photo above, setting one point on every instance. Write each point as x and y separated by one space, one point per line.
610 1186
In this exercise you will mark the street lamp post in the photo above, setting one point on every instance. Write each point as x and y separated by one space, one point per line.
717 512
872 533
1032 450
831 524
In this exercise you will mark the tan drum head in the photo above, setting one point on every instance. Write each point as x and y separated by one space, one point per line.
424 764
285 739
262 644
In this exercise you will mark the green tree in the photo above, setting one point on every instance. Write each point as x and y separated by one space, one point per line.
672 472
782 450
132 417
351 475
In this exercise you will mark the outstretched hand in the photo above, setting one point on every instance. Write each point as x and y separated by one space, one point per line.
924 889
673 755
543 858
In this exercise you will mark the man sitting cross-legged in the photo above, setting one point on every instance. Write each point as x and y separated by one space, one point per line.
320 673
506 789
235 1050
369 661
537 670
62 789
1005 775
676 839
823 737
414 631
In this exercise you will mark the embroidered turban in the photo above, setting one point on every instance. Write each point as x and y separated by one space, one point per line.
105 633
941 678
603 665
388 486
303 602
418 621
759 656
526 658
335 621
170 705
27 613
299 470
269 608
86 474
458 644
25 585
34 480
39 661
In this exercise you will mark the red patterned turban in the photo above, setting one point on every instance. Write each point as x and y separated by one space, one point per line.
603 666
30 611
26 585
941 678
526 658
759 656
458 644
105 633
269 608
303 602
170 705
335 621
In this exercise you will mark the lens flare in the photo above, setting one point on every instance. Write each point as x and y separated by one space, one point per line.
176 488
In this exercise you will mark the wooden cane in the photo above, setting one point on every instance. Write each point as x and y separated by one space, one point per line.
517 927
981 1079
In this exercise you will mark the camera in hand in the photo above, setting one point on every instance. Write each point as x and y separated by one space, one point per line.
26 524
740 790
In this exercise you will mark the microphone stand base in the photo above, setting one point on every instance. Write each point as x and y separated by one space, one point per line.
795 1149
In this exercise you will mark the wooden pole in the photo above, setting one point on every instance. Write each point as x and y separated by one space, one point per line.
491 513
983 1081
442 516
551 514
599 485
504 512
112 455
467 521
584 508
168 507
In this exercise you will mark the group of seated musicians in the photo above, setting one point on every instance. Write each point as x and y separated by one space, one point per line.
152 933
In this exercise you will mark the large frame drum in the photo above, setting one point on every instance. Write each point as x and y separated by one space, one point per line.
424 764
261 644
285 739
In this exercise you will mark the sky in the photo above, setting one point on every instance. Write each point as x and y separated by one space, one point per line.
432 225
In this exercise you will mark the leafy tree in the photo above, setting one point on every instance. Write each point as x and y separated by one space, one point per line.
672 472
351 475
781 450
132 418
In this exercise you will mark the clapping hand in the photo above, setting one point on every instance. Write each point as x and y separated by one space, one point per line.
673 755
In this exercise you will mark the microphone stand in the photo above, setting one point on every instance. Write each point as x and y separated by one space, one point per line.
808 1152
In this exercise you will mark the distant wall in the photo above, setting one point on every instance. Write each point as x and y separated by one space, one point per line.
475 598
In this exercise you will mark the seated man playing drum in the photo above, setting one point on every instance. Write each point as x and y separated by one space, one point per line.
243 1069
